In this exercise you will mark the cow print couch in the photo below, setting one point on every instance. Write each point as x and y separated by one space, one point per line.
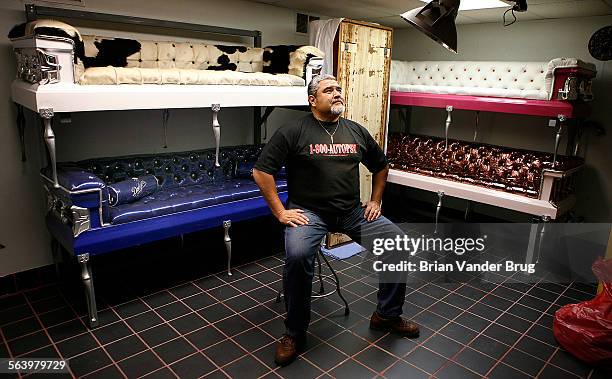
105 60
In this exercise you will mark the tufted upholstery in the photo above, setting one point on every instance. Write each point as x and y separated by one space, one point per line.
188 180
527 80
512 170
185 55
106 60
186 198
125 61
174 169
134 75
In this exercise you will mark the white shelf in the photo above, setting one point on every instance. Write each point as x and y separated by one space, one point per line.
67 97
536 207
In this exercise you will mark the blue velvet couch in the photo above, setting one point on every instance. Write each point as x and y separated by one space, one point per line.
191 194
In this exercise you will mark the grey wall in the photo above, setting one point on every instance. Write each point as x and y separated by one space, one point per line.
94 134
539 40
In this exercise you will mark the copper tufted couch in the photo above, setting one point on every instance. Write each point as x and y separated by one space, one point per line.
511 170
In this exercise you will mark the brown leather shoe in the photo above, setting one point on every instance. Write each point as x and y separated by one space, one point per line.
397 325
287 349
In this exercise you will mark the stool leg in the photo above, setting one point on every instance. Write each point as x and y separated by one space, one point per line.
346 307
228 245
321 288
89 289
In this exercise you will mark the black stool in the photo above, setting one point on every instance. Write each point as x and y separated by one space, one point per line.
333 277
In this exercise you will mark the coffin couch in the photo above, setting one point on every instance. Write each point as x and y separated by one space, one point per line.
105 204
566 79
522 172
99 60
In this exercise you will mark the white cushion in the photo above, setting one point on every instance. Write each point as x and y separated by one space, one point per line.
135 75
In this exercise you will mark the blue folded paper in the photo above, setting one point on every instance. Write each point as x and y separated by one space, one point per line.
130 190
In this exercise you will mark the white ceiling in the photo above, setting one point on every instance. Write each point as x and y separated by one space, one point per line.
386 11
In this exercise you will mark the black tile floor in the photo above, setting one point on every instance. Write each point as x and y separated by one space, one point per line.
222 326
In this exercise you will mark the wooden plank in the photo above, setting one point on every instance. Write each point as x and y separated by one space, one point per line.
363 71
363 66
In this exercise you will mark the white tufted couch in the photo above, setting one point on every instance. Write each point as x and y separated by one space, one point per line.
50 51
524 80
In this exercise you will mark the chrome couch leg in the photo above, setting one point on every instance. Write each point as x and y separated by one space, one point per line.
217 131
533 236
468 210
438 207
89 289
562 119
449 121
228 245
545 220
47 115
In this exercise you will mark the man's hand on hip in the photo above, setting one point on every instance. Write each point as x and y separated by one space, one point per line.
292 217
372 210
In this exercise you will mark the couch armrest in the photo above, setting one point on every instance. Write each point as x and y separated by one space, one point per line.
74 178
81 201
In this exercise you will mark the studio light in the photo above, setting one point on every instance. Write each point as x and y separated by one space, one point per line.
437 20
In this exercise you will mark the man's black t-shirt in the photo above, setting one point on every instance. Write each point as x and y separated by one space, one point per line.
322 176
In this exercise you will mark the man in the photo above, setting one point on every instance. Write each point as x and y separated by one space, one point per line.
322 152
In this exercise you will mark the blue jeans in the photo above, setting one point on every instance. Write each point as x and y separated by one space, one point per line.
301 246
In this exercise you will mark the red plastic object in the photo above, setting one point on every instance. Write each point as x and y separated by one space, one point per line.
585 329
